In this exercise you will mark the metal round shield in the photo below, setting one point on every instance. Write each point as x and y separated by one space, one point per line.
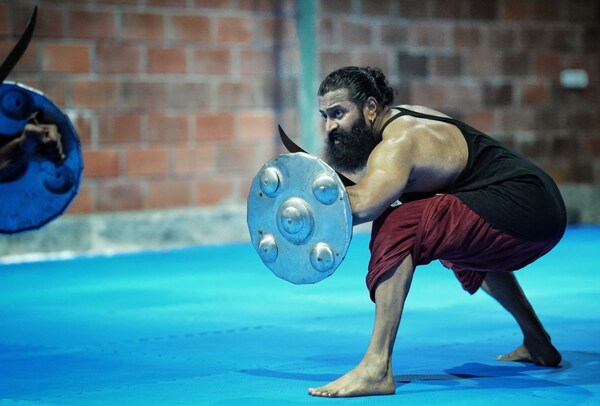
46 189
299 218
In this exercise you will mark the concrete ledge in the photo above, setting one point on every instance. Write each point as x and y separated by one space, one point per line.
160 229
131 231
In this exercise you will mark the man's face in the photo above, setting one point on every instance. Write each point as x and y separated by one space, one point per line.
349 140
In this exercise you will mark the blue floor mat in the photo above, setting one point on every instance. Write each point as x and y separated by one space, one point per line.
212 325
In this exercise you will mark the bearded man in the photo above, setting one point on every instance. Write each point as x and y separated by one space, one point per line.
435 188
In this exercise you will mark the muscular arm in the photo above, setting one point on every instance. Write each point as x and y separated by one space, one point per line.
387 174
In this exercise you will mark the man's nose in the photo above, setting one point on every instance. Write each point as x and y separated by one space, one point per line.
330 125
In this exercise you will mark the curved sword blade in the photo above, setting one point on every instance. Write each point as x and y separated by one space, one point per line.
293 147
19 48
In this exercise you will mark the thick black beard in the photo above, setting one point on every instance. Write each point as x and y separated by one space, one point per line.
352 151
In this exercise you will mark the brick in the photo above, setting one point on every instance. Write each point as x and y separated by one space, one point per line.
483 120
191 96
501 37
257 62
356 33
212 61
66 58
427 94
412 65
335 6
255 126
446 65
92 24
466 36
517 120
583 11
143 26
236 94
591 39
27 63
534 93
4 30
376 8
331 61
267 6
167 3
238 159
413 9
278 29
83 202
50 21
94 94
214 126
482 64
461 95
534 38
171 193
117 59
234 29
497 94
125 128
548 64
145 94
166 60
376 59
429 34
581 120
101 163
188 161
146 161
118 2
480 10
168 128
447 9
394 34
212 4
191 28
117 197
564 40
515 10
547 10
516 64
592 145
213 191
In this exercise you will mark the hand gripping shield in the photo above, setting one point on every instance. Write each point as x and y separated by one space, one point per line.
299 218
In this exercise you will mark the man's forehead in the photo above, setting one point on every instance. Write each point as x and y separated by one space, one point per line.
333 98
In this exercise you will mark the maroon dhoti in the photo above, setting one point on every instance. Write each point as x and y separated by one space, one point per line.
443 227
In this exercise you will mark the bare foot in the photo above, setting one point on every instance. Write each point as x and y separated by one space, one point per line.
546 355
361 381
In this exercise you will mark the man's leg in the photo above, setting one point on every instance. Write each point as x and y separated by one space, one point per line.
536 347
373 375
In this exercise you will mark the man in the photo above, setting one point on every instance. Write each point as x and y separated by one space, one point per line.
481 209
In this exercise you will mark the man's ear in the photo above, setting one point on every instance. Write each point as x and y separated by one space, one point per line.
370 109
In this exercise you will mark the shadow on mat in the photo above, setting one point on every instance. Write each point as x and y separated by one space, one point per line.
465 377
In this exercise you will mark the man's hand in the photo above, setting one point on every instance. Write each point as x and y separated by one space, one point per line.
43 139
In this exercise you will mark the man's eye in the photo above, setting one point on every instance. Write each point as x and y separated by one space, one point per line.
338 113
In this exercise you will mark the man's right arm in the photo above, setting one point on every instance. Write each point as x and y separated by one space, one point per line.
387 173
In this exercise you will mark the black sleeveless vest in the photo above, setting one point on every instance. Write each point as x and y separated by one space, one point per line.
507 190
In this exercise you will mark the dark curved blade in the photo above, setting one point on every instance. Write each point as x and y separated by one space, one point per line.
293 147
19 48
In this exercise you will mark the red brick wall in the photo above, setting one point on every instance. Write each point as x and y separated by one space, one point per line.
177 101
494 63
173 100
